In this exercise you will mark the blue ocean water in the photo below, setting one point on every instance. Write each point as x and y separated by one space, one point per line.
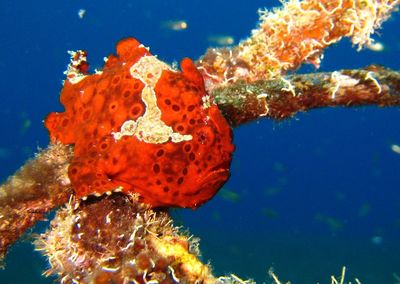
307 195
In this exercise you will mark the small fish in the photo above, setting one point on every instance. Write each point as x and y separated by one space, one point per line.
81 13
272 190
270 213
334 224
377 240
216 216
175 25
26 123
279 167
340 195
364 209
376 46
221 40
396 277
395 148
229 195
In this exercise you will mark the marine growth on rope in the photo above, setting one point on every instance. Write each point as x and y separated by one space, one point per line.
139 126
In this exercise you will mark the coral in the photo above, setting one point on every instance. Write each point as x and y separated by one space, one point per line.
38 187
340 280
128 243
292 35
139 126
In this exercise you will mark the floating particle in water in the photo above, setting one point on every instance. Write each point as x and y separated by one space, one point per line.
81 13
221 40
175 25
395 148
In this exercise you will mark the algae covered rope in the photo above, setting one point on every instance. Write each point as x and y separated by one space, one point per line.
282 98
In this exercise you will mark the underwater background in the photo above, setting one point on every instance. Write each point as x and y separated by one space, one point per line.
306 196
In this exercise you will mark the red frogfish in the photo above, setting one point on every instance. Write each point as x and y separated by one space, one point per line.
140 127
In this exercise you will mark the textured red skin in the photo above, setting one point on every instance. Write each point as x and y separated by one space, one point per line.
183 174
